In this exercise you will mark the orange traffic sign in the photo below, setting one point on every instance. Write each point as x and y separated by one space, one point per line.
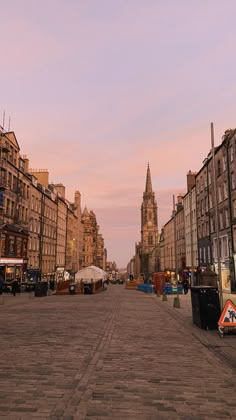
228 316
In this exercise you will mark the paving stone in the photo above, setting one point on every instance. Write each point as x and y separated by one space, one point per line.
116 355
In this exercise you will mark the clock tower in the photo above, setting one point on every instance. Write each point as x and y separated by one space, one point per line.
149 231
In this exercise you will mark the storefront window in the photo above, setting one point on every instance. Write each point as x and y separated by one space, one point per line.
18 273
9 274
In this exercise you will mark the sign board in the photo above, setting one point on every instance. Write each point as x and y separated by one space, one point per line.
228 316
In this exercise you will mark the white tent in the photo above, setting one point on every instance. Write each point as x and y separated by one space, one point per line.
90 273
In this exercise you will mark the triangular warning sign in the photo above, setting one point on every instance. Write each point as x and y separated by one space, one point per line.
228 316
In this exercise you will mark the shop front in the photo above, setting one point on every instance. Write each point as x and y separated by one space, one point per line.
60 274
11 269
33 275
13 253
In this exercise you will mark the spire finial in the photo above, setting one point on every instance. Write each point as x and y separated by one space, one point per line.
148 181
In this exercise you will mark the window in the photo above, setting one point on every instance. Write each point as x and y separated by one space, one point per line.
150 240
212 225
210 200
234 208
220 247
231 153
218 168
224 162
227 217
225 248
221 220
206 204
225 190
209 177
232 181
219 194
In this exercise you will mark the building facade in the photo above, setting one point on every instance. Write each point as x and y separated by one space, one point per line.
149 253
14 209
189 203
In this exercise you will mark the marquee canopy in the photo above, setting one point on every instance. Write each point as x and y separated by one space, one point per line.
90 273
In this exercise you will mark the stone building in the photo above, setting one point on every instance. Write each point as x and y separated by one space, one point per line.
149 253
229 160
48 225
35 213
14 209
72 259
100 257
204 202
180 263
216 196
79 234
167 248
189 203
61 229
41 233
212 200
94 252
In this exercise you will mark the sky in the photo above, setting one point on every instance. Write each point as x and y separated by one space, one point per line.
94 90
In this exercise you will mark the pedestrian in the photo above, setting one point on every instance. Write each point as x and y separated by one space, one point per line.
15 287
1 286
185 285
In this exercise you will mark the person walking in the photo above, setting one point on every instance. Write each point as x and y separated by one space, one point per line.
1 286
15 287
185 285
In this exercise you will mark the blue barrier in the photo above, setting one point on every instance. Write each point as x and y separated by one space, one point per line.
168 289
146 288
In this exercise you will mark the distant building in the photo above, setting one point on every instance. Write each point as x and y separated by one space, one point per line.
149 249
93 251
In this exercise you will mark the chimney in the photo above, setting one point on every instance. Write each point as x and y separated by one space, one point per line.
42 176
190 180
26 164
61 189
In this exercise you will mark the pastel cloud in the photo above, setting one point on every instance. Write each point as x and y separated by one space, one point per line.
95 90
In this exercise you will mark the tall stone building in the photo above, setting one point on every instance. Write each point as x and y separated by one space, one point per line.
189 203
94 252
149 231
14 209
180 263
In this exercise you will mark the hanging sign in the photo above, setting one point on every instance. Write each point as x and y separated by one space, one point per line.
228 316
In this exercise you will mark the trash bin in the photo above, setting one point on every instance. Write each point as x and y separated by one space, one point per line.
205 307
72 289
41 289
88 288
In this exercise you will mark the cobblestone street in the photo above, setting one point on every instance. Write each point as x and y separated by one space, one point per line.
116 355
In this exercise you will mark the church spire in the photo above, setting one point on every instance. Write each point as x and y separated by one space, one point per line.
148 181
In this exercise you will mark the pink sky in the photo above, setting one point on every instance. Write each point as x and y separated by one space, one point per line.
97 89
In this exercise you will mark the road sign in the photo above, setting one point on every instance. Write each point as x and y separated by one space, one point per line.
228 316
